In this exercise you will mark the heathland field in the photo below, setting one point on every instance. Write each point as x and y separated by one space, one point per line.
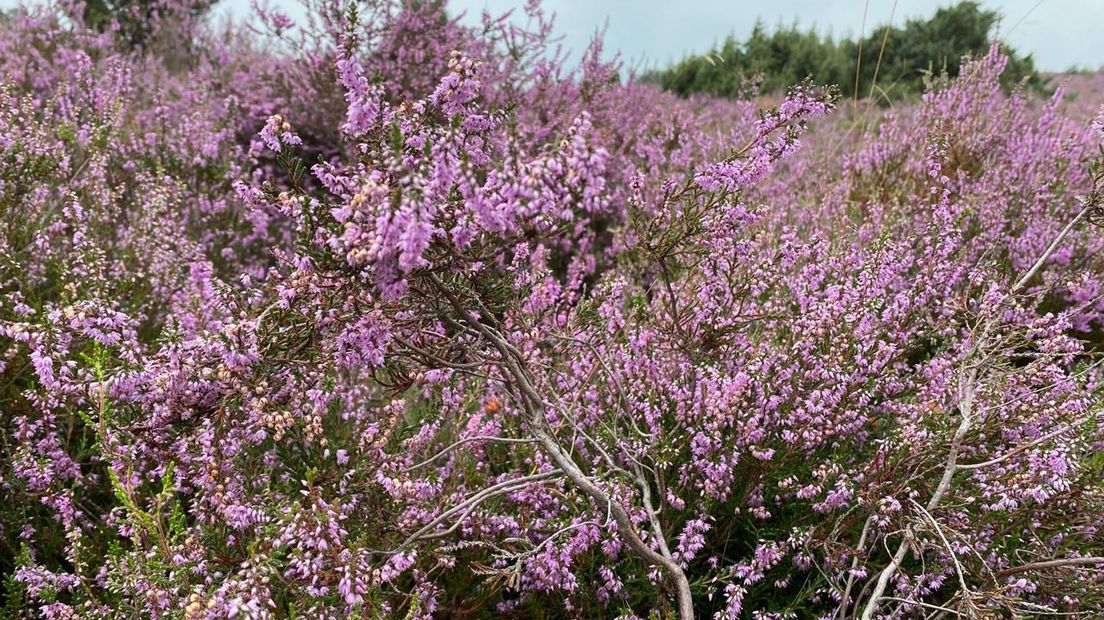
382 314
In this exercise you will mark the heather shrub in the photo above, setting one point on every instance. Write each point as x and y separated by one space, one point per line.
389 316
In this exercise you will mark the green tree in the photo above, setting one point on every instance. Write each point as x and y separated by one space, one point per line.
787 55
139 19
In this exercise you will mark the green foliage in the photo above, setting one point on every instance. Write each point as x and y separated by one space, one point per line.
137 19
769 60
779 59
12 591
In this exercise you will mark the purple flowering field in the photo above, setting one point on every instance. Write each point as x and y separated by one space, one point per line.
384 314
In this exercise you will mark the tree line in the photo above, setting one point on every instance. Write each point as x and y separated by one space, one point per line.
889 62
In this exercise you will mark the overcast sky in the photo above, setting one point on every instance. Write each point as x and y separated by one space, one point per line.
1059 33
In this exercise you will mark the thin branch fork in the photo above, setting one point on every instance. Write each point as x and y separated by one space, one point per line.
947 544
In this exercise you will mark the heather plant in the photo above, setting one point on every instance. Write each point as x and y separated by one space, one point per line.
389 316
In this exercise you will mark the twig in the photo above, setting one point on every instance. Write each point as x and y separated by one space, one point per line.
1086 561
461 442
1050 250
1027 446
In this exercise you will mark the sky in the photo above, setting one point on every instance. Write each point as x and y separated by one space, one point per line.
1060 34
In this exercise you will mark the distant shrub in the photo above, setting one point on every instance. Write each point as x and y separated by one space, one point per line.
775 60
135 21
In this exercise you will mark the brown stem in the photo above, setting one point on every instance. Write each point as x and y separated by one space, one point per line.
1016 570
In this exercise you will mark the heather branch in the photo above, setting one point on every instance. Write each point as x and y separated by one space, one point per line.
469 366
462 442
939 608
1086 561
946 544
845 600
1027 446
967 387
534 405
472 502
548 539
968 384
1052 247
